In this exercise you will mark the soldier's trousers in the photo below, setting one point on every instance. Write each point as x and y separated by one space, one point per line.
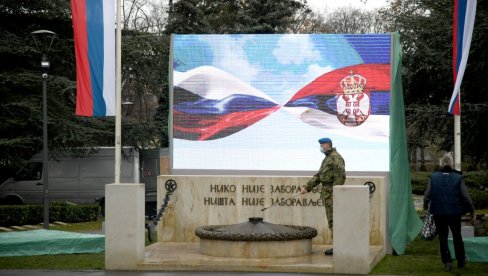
329 212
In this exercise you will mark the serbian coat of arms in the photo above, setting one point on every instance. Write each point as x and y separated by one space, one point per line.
353 105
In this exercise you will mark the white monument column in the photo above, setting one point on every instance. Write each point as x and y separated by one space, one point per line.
351 229
124 226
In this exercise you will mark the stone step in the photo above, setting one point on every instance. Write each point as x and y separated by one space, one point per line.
18 227
33 227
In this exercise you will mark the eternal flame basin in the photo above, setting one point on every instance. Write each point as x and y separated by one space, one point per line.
255 239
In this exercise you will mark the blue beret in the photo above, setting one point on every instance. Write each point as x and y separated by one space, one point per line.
325 140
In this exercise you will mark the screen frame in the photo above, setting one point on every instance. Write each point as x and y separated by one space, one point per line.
173 171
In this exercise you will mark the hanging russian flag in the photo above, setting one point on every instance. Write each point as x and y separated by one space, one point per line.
94 36
464 15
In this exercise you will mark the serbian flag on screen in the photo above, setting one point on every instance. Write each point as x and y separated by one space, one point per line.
464 14
321 93
322 103
94 35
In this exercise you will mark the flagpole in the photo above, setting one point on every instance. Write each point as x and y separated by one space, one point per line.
464 13
457 141
118 97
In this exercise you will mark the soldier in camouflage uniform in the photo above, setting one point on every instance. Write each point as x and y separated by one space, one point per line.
332 172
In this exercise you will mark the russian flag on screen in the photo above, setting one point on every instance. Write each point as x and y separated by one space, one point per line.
210 103
464 15
94 36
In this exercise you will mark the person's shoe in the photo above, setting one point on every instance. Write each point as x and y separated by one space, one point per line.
461 264
448 267
329 251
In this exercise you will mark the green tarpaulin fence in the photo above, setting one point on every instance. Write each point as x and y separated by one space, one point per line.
47 242
476 249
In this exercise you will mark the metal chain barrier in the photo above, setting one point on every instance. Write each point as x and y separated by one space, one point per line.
170 186
372 188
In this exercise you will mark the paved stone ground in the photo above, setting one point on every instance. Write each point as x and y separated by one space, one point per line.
12 272
418 201
28 227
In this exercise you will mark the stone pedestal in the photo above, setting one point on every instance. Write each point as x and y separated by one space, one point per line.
124 226
467 231
225 200
256 249
351 229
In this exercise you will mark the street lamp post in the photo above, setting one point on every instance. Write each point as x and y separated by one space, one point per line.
44 40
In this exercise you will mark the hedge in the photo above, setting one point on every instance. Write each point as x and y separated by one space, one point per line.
34 214
476 181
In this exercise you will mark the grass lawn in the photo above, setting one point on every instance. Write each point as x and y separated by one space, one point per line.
420 258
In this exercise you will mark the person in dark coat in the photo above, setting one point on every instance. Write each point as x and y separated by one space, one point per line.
448 200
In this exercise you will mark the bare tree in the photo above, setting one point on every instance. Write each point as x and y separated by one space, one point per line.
345 20
354 21
309 22
145 15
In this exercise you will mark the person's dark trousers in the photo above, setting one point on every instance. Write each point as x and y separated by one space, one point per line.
443 223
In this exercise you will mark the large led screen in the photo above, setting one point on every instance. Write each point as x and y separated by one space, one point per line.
259 103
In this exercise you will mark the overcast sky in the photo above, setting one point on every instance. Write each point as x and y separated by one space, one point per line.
320 5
